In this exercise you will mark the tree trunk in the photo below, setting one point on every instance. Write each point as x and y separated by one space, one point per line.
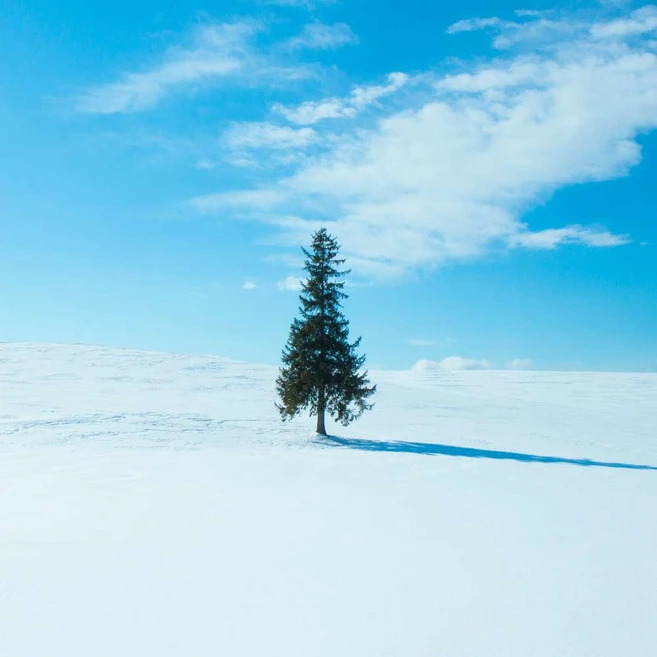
321 403
321 429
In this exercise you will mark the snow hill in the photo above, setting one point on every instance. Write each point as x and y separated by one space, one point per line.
153 504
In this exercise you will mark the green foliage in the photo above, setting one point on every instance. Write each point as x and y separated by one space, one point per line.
321 370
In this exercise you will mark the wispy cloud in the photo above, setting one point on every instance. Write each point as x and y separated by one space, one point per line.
290 284
474 24
451 363
517 74
459 363
551 238
214 51
212 54
249 285
638 22
320 36
248 136
520 364
359 99
534 26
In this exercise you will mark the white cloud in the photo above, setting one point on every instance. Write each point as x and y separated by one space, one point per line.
421 343
639 22
333 108
540 32
214 53
291 283
451 363
320 36
314 111
254 135
533 13
474 24
452 176
249 285
536 27
521 364
517 74
458 363
366 95
553 237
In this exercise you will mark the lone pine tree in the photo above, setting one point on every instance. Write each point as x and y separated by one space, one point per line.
321 370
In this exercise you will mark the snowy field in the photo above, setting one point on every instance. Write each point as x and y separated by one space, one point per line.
152 505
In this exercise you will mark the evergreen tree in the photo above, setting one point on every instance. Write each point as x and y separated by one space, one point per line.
321 369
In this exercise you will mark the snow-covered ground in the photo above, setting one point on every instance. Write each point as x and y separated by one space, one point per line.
153 505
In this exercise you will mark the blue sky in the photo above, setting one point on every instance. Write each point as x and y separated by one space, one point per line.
488 167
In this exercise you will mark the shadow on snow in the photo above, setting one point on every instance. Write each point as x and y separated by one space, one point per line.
434 449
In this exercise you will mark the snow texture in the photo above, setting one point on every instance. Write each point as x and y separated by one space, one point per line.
153 505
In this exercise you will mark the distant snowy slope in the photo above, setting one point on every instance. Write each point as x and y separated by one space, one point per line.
71 392
154 504
63 393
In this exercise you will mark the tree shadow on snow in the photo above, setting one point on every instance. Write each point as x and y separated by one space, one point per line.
434 449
